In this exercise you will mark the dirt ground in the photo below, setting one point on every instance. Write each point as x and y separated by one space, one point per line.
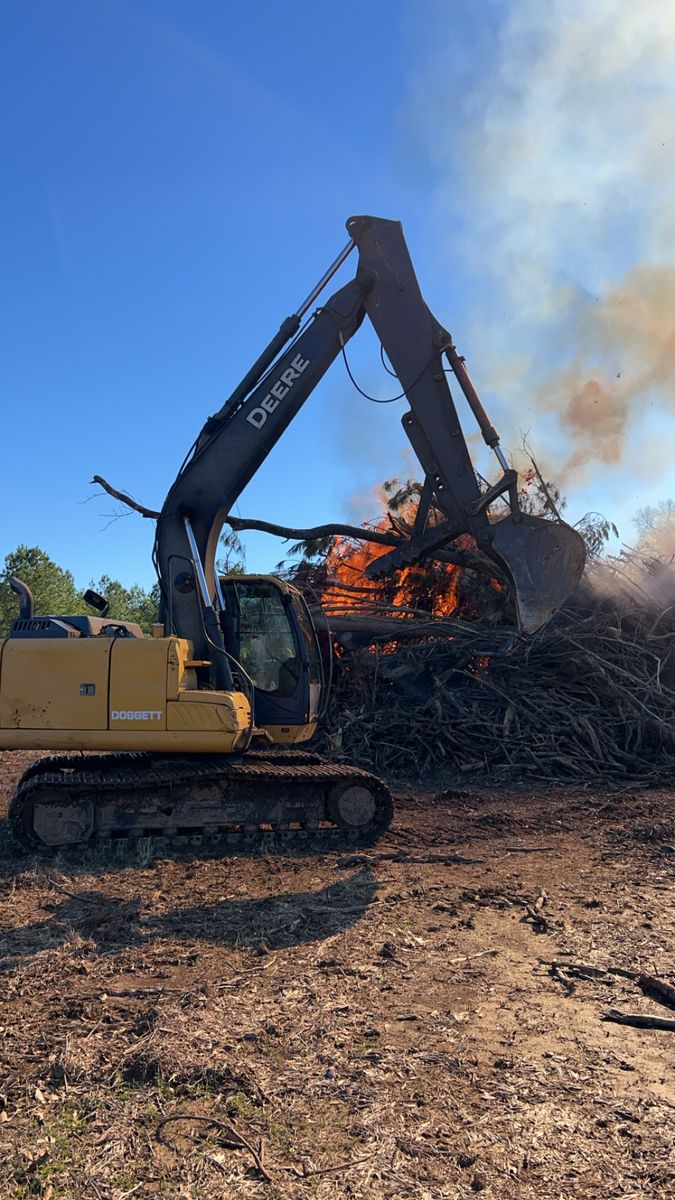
383 1025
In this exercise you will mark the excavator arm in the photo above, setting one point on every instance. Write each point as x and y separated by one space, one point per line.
543 559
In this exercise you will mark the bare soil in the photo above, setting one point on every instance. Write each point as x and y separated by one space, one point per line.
382 1025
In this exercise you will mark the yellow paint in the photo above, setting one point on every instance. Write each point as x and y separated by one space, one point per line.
162 742
227 712
285 735
144 697
41 678
113 694
141 675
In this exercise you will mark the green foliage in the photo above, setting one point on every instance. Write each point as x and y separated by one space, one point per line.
53 588
595 529
233 561
310 548
542 498
54 591
399 492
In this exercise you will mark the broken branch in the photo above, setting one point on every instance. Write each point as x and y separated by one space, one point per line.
553 507
659 988
124 499
461 558
588 970
639 1020
316 533
232 1138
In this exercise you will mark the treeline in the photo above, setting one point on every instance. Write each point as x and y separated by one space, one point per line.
54 591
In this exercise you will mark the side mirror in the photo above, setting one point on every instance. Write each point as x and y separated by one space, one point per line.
93 599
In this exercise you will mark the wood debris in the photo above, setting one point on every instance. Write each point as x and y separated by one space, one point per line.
590 697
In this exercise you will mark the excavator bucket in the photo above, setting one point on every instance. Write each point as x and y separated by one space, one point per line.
543 561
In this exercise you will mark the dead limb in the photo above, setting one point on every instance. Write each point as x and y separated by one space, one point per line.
588 970
232 1139
449 554
124 499
533 913
128 993
658 988
651 985
462 558
382 629
284 531
527 849
72 895
317 532
345 1166
639 1020
553 507
470 957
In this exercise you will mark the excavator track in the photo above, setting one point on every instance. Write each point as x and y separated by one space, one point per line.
275 799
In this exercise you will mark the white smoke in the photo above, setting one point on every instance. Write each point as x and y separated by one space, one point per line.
558 149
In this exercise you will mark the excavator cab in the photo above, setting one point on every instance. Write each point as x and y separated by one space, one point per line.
270 632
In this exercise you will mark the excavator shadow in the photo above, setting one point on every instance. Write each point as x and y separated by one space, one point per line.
92 923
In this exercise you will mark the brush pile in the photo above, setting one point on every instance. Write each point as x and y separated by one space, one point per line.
590 697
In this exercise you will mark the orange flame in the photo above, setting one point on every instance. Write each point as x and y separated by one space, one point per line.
430 587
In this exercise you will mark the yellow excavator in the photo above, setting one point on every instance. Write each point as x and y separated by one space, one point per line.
193 730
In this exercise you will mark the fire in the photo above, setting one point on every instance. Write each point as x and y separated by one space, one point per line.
431 587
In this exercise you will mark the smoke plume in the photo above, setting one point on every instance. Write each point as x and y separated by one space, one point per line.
557 155
624 365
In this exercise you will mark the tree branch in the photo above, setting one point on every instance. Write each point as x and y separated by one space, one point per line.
460 558
542 482
317 532
124 499
282 531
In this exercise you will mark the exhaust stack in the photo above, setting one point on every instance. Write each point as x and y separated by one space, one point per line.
25 597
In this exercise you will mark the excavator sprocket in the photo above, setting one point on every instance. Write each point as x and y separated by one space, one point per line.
279 800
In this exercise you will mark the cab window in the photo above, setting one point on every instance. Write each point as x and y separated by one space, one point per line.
267 645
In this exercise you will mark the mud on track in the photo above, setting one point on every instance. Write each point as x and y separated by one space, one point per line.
385 1025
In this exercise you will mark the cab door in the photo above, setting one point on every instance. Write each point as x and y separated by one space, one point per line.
272 635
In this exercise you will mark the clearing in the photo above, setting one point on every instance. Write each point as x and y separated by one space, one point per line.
377 1025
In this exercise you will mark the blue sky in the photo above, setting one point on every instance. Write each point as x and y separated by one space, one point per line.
175 179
